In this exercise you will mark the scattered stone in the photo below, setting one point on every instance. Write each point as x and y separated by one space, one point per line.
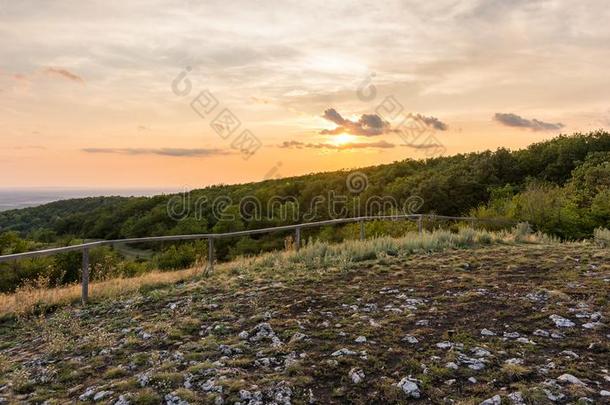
88 394
472 363
123 400
444 345
297 337
472 380
144 335
480 352
143 379
173 399
487 332
542 333
410 339
451 365
450 382
357 375
562 322
569 353
422 322
264 331
360 339
516 398
409 387
343 352
511 335
569 378
495 400
101 395
282 393
604 393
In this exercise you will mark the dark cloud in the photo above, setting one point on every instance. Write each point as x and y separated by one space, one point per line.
175 152
433 122
513 120
372 124
64 74
367 125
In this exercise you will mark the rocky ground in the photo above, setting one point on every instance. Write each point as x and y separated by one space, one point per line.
525 324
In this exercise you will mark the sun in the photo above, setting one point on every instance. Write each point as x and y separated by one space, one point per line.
343 139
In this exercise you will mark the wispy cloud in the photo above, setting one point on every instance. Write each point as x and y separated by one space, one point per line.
174 152
64 73
514 120
344 146
351 145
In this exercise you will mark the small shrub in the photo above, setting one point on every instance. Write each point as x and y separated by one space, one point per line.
602 237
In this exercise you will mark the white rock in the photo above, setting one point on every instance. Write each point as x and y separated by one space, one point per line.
444 345
101 395
480 352
451 365
569 378
487 332
604 393
569 353
516 398
343 352
562 322
495 400
410 339
472 380
357 375
89 392
123 400
360 339
409 387
541 332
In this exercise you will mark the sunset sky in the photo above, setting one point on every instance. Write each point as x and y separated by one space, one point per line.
90 93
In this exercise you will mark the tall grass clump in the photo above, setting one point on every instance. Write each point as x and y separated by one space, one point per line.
36 295
321 254
602 237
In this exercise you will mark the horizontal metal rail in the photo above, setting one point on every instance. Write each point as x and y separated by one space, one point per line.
84 247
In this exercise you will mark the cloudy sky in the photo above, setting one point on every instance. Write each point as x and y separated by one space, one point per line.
189 93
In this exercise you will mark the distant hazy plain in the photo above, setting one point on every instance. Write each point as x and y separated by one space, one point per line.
30 197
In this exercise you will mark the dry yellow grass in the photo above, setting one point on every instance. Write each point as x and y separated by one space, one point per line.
25 299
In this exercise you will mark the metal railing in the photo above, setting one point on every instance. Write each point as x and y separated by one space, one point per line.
84 247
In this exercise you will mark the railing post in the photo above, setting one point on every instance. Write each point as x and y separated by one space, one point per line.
85 276
420 224
362 230
297 238
210 266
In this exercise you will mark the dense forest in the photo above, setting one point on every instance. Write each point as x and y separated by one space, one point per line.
560 186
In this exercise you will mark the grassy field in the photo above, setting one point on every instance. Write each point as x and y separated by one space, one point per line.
466 317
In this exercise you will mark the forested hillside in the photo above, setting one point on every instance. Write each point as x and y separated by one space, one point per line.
560 186
448 185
